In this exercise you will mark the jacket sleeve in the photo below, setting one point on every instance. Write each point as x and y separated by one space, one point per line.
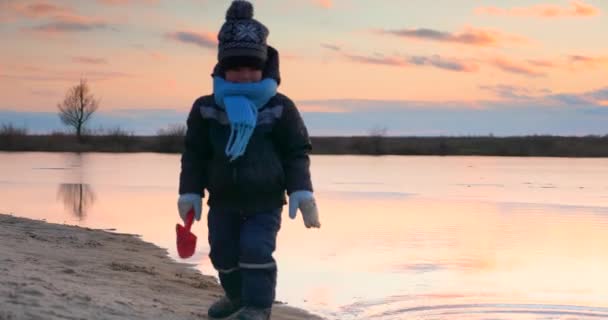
294 147
197 152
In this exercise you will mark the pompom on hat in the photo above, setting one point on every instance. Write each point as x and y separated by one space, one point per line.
242 39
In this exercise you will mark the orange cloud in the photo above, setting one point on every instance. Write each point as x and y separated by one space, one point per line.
64 24
587 61
123 2
436 61
515 67
440 62
324 3
571 62
599 97
321 108
159 56
515 92
470 36
39 10
378 59
575 9
89 60
542 63
68 76
330 46
68 73
290 56
206 40
59 19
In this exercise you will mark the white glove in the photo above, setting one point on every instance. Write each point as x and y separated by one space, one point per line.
305 201
187 201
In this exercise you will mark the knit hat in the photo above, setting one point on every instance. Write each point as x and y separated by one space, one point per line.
271 68
242 39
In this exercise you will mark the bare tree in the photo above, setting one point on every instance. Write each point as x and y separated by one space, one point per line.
78 107
377 138
77 198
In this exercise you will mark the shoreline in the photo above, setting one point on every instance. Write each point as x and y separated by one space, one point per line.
54 271
515 146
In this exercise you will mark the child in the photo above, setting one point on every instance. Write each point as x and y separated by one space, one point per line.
247 145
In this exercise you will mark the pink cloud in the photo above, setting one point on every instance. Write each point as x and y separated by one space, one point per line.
40 9
575 9
290 56
58 19
587 60
44 74
43 93
330 46
70 24
68 76
159 56
542 63
89 60
533 66
5 12
576 63
29 68
125 2
378 60
515 67
515 91
470 36
321 108
450 64
5 19
324 3
600 96
596 97
206 40
436 61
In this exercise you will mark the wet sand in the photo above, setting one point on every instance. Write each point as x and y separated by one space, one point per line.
52 271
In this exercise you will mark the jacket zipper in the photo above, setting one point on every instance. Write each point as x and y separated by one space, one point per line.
235 174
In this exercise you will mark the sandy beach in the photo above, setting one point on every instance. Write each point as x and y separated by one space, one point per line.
52 271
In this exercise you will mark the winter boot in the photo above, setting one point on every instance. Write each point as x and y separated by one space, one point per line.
251 313
224 308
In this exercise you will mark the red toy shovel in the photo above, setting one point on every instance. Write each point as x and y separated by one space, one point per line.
186 240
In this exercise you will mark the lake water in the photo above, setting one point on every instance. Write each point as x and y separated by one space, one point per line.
402 237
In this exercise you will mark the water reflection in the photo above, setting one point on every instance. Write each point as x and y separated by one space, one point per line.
77 195
513 311
77 198
403 237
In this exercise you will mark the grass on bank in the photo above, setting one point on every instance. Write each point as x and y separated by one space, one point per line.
170 140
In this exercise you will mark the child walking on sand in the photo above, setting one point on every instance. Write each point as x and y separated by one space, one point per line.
247 145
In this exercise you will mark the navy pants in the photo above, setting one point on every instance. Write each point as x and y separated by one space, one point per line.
242 245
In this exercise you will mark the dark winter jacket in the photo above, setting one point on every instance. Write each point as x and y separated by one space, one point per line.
276 159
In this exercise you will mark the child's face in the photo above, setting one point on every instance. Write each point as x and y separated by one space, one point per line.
243 75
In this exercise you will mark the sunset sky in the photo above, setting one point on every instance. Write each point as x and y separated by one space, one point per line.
413 67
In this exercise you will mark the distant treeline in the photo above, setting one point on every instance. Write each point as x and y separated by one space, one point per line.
171 141
524 146
168 140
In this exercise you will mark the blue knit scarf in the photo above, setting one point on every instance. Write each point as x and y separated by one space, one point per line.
241 101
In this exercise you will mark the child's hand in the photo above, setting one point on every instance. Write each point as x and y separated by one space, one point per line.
187 201
305 201
310 213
